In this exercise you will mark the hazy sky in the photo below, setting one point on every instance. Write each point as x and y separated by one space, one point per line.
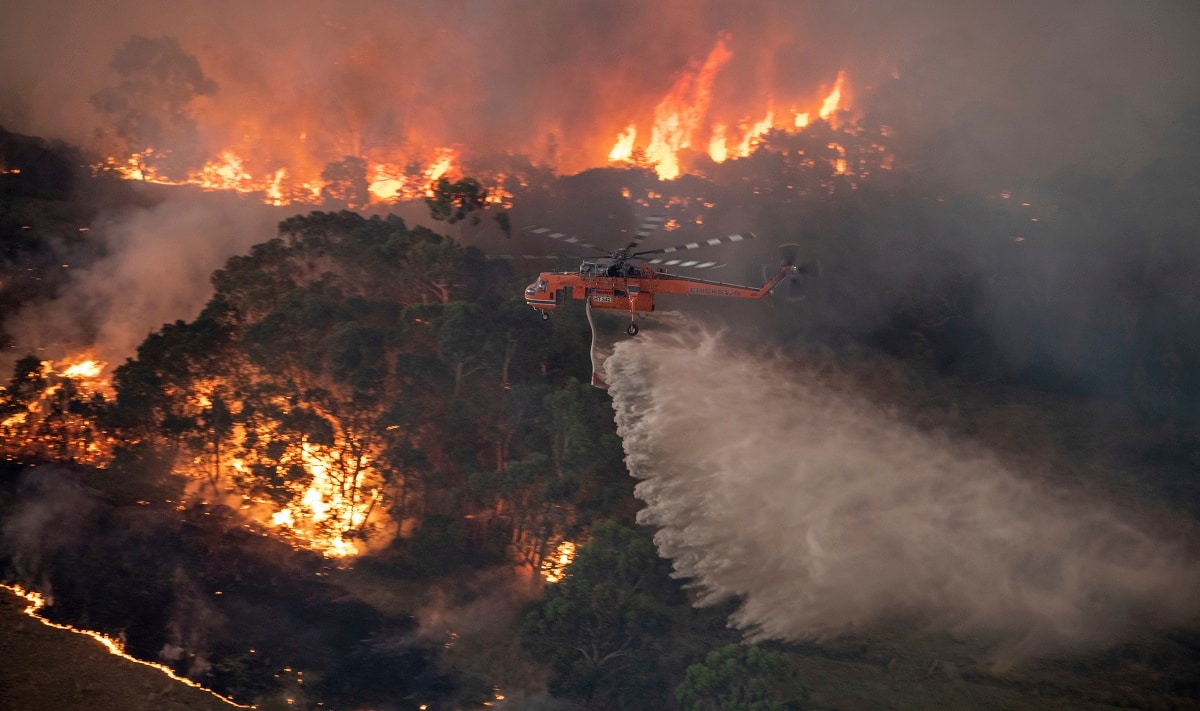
560 80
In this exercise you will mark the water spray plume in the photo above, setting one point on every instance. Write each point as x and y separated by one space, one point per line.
827 516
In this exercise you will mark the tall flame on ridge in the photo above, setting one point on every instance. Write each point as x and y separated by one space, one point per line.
681 116
678 117
623 150
370 151
831 103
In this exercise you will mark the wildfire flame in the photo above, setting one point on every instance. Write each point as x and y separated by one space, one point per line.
386 181
46 423
678 117
681 116
85 369
754 134
284 161
554 567
623 150
325 513
831 104
37 601
49 416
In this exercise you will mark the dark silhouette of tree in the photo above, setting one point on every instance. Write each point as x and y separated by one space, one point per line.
346 182
454 201
150 105
502 219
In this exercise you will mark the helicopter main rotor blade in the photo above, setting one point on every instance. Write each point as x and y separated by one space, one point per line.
561 237
739 237
690 263
649 226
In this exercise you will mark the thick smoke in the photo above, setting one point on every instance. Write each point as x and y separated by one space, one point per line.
999 83
32 533
827 515
981 94
156 269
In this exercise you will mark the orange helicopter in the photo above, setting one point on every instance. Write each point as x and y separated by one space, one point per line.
614 283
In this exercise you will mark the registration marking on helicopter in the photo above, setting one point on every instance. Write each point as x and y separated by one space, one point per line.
712 292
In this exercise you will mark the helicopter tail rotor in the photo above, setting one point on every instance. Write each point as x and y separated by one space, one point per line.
790 253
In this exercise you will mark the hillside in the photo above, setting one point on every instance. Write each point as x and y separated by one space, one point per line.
46 668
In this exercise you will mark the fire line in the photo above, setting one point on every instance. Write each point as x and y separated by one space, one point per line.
37 601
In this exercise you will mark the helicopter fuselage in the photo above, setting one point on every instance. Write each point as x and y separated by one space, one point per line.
622 286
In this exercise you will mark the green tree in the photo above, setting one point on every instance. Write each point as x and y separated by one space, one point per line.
463 340
603 628
436 263
453 202
739 677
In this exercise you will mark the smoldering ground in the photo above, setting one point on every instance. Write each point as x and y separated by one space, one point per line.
195 588
826 515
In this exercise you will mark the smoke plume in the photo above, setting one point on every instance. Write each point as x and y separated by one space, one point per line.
826 515
33 532
1014 82
155 270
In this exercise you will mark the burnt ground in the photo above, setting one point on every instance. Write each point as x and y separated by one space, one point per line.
48 669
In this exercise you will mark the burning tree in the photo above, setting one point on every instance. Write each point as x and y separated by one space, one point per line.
150 104
54 412
301 394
